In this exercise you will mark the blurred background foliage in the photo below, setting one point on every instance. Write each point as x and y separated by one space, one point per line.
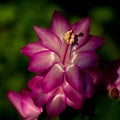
17 18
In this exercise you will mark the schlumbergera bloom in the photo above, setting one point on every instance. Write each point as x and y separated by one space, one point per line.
24 105
112 78
61 58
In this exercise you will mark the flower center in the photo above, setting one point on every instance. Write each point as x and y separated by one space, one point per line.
69 37
114 93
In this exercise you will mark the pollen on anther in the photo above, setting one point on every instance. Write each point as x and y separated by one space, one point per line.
69 37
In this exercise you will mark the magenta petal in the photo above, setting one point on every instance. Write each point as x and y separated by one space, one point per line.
81 26
40 98
72 104
54 78
59 25
85 59
32 48
42 61
24 105
34 82
88 86
75 97
15 99
93 43
81 29
29 108
74 77
56 105
48 39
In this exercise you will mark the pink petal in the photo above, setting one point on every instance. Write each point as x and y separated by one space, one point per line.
54 78
85 59
117 83
118 71
15 99
59 25
34 82
93 43
42 61
24 104
48 39
75 97
28 106
96 74
56 105
40 98
72 104
82 25
88 86
81 29
74 77
32 48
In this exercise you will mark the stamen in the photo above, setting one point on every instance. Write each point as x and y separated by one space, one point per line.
69 37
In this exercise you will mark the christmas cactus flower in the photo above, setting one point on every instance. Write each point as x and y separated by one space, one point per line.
24 105
61 59
112 78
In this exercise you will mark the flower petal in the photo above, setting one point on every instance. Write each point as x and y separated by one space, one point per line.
34 83
48 39
15 99
73 95
32 48
93 43
88 86
59 25
56 105
28 106
85 59
82 25
96 73
72 104
42 61
40 98
53 78
74 77
81 30
24 104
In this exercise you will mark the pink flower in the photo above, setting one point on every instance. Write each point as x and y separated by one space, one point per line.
61 58
112 78
24 105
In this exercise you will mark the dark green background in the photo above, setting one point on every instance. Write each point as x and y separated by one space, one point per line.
17 18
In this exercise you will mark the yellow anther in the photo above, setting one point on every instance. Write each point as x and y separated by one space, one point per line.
69 37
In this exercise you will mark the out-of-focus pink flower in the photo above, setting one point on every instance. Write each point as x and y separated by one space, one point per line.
111 78
24 105
97 76
61 58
